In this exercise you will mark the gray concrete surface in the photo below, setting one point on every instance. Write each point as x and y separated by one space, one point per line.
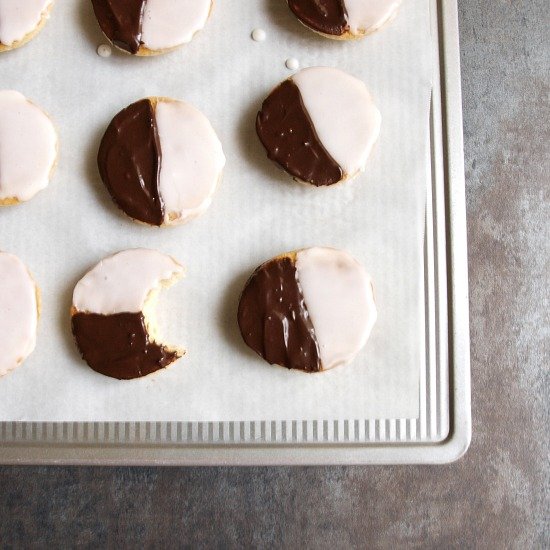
498 495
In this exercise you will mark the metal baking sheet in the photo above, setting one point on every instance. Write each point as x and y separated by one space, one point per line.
441 433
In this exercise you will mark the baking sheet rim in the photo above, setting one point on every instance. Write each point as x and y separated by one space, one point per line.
27 450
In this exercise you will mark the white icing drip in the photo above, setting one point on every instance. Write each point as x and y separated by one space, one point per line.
343 114
339 298
121 283
28 147
259 35
369 15
19 18
192 160
170 23
292 64
104 50
18 312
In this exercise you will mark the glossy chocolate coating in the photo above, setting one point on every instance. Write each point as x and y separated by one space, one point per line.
118 345
289 137
120 21
129 163
274 320
325 16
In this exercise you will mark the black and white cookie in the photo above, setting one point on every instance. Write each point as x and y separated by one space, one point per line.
151 27
319 125
161 161
344 19
19 311
28 148
112 315
21 21
310 310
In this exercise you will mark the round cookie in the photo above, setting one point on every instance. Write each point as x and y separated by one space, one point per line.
310 310
344 19
28 148
21 21
19 311
161 161
151 27
319 125
112 315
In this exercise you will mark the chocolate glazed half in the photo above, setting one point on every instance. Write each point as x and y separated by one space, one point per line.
121 21
289 137
118 345
129 162
324 16
274 320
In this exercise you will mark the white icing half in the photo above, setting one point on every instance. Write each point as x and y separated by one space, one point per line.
122 283
369 15
339 298
18 312
192 160
28 147
170 23
344 116
19 18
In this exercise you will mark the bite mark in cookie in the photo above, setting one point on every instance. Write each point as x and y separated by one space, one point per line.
112 316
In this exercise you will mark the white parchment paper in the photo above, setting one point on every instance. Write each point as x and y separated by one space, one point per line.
257 213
